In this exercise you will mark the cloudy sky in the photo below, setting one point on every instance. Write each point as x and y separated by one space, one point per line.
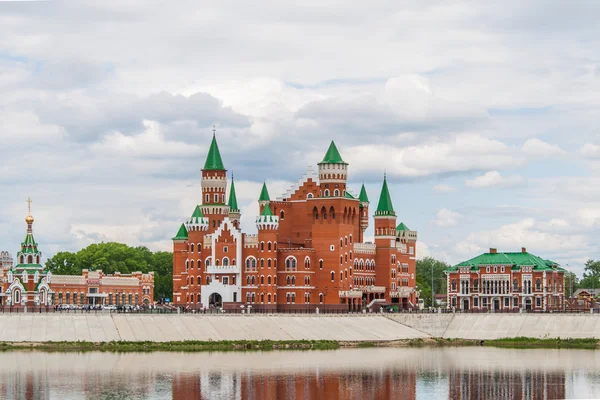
484 115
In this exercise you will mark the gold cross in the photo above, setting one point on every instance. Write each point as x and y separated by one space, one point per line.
29 205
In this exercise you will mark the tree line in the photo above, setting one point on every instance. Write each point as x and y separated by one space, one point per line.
112 257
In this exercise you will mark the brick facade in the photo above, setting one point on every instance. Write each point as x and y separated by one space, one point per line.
309 251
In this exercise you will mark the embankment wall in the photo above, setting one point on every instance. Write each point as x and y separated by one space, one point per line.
499 326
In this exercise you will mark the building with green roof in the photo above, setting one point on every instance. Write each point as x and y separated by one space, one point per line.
506 281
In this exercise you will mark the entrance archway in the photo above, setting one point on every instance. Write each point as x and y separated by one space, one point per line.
465 304
215 300
528 303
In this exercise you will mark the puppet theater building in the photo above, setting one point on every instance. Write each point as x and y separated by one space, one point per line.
29 283
309 251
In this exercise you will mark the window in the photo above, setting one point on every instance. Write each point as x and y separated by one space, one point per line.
495 269
538 301
269 280
216 198
336 193
206 198
332 276
268 263
68 298
281 215
225 280
326 192
288 280
454 285
487 269
320 298
253 281
538 285
306 263
269 245
293 281
192 246
476 302
506 302
225 249
515 302
262 263
262 246
501 269
262 280
516 285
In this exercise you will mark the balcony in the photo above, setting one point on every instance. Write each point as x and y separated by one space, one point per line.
230 269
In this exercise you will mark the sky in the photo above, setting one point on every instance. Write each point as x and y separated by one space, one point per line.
484 115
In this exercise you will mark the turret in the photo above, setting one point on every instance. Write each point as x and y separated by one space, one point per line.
214 178
264 199
333 173
364 211
29 256
234 210
197 222
385 216
266 220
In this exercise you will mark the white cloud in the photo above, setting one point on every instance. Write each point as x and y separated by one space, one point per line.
590 150
446 218
443 188
494 179
537 147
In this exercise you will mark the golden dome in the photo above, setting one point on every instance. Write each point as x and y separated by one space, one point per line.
29 219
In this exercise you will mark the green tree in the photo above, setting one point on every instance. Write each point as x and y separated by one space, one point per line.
591 275
428 268
111 257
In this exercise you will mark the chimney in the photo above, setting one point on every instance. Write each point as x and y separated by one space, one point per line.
493 250
523 250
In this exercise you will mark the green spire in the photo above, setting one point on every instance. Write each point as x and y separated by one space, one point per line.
233 205
385 207
363 195
267 211
332 156
197 216
182 233
213 160
402 227
264 193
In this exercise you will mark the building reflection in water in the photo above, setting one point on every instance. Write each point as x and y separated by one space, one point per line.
463 384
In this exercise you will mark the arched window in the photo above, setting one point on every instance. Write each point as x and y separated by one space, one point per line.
192 247
336 193
253 263
281 215
309 196
248 280
350 238
341 276
307 263
268 263
454 285
262 280
192 280
326 192
262 297
332 212
288 280
269 280
262 263
208 262
253 281
341 242
320 298
262 246
332 276
538 284
515 285
192 264
208 280
199 265
225 261
269 245
217 262
293 281
320 264
247 263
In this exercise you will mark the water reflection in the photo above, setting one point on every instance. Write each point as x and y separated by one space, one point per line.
460 373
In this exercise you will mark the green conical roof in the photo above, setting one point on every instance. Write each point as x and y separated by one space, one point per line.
196 216
402 227
264 193
363 195
213 159
182 233
332 156
385 207
348 196
267 211
233 205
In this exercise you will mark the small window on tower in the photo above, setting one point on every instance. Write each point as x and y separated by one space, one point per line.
216 198
225 249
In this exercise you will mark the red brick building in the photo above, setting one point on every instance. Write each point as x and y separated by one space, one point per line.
309 251
29 283
506 281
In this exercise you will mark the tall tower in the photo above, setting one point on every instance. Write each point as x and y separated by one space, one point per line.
333 173
234 210
29 257
264 198
214 185
364 212
267 225
385 236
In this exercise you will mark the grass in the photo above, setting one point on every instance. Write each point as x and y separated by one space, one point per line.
547 343
185 346
267 345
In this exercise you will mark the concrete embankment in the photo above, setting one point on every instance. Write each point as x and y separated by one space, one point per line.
500 326
343 328
167 328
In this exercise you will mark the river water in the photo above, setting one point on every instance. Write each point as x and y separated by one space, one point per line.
375 373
